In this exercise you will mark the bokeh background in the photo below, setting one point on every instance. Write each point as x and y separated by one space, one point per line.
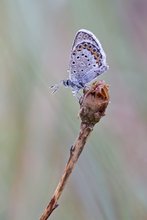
37 128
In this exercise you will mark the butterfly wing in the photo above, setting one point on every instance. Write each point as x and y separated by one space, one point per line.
87 59
85 35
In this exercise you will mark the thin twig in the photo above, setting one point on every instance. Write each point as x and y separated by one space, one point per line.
92 107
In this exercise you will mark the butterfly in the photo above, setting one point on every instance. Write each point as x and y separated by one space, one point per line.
87 61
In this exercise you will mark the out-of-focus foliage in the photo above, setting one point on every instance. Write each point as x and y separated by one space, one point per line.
37 128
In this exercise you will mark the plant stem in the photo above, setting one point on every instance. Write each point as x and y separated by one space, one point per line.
92 107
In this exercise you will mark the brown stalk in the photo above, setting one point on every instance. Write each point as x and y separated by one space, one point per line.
93 104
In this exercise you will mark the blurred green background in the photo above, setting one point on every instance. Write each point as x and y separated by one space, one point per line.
37 128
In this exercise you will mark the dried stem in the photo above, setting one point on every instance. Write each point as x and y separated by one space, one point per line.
92 107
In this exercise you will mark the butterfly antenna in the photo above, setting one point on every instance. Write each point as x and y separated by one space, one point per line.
55 87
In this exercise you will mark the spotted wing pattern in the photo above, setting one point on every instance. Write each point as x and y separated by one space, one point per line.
88 60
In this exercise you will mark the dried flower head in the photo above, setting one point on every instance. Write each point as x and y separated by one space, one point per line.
94 102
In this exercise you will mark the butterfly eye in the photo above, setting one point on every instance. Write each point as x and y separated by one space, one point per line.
73 62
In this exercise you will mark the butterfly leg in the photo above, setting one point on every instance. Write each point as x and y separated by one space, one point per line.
77 94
